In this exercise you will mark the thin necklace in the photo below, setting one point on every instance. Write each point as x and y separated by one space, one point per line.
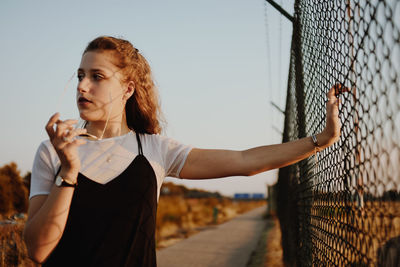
108 159
116 144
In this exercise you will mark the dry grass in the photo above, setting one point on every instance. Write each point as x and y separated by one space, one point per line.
12 247
268 252
273 256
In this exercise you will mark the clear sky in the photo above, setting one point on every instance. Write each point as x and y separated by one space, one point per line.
209 59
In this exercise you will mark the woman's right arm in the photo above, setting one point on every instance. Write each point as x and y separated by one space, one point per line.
47 214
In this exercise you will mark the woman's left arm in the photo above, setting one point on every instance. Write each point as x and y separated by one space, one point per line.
212 163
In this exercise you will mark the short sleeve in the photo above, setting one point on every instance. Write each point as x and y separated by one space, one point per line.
174 155
43 170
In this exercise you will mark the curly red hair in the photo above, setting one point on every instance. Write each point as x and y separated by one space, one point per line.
143 112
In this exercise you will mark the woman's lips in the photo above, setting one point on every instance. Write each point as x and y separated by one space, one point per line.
83 101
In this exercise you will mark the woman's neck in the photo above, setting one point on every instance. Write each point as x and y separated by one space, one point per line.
104 130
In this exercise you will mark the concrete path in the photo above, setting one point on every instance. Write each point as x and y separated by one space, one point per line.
225 245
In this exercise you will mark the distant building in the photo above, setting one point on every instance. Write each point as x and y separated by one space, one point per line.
241 196
258 196
248 196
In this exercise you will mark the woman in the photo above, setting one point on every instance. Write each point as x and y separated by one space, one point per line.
93 200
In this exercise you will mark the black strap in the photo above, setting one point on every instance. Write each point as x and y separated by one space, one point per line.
139 144
58 171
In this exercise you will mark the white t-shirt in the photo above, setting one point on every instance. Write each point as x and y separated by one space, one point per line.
104 160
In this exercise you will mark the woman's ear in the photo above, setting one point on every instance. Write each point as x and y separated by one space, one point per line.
130 89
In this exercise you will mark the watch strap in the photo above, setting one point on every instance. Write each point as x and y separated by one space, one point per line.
64 182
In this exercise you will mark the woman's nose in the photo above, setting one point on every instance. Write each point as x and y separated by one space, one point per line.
83 85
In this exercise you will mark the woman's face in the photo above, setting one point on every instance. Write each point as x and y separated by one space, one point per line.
100 89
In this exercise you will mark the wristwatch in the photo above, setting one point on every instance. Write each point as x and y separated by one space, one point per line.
60 182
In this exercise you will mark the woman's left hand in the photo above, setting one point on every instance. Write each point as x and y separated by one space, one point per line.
331 133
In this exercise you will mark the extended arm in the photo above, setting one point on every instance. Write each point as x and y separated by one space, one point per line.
209 163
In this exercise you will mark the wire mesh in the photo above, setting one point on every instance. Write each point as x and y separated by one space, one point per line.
341 207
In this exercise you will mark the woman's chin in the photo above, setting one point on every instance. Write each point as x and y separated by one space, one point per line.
85 117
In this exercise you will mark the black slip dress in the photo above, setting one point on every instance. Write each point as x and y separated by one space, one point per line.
112 224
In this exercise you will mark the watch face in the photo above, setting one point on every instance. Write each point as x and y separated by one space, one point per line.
58 181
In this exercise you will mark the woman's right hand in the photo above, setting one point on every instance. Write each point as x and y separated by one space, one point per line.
64 142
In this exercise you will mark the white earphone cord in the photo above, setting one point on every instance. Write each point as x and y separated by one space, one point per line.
108 116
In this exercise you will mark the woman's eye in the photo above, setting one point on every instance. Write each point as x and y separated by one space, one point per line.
97 77
80 76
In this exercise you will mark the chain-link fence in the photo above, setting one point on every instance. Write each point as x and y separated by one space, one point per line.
341 207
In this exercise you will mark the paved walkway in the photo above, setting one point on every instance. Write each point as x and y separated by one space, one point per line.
226 245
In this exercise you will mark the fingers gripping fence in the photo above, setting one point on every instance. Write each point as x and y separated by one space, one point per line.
341 207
